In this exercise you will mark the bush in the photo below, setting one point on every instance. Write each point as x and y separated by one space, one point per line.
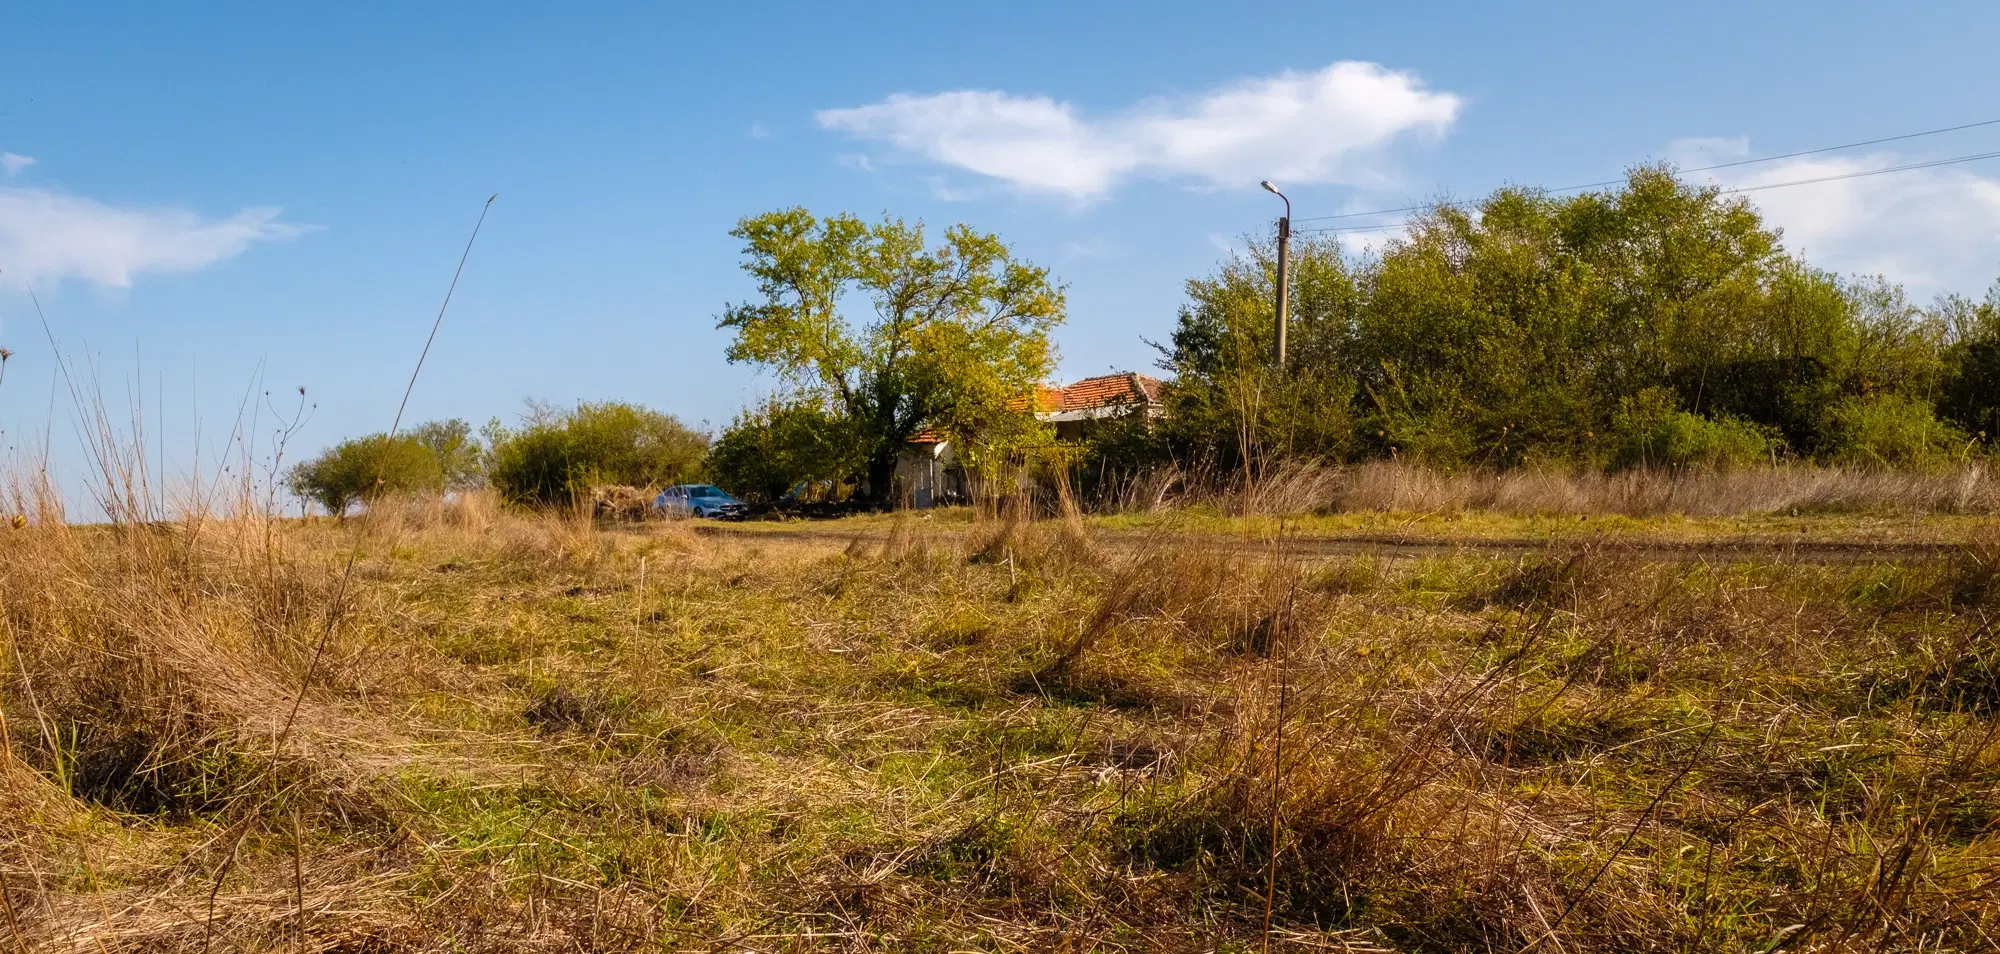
769 451
1311 415
366 469
457 451
1421 418
1649 430
1891 430
1790 394
557 459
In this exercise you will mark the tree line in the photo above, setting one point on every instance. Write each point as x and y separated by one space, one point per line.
553 456
1658 324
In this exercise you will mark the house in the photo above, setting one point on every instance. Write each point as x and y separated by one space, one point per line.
930 473
1104 396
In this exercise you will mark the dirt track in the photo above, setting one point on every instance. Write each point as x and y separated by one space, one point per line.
1398 546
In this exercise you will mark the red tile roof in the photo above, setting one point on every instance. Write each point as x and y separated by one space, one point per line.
1109 390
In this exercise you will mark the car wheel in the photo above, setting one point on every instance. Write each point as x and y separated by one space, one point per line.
698 514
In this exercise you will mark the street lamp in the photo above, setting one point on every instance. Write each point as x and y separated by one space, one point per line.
1284 253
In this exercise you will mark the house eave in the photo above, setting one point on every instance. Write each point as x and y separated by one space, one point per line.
1099 413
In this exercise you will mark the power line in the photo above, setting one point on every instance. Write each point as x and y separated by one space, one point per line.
1352 229
1864 172
1741 189
1723 165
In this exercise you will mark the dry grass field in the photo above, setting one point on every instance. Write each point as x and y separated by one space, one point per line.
449 728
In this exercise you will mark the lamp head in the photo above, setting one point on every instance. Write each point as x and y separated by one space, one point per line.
1268 187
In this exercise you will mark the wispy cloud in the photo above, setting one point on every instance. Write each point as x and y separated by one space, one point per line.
11 164
1934 230
48 236
1328 125
1096 246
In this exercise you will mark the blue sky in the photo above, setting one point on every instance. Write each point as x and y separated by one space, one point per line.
208 198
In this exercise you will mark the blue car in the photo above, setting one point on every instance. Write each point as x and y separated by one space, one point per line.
700 500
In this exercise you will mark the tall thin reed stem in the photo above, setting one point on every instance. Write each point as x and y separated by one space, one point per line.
338 605
1278 659
298 884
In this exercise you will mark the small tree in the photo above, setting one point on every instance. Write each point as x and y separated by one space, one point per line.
1227 407
957 330
560 455
770 450
366 469
458 452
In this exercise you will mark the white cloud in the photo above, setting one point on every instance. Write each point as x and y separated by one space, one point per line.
1935 230
1324 126
50 236
11 164
1371 242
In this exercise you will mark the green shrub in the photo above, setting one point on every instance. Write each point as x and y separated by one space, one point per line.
1423 418
770 450
1650 430
1790 394
556 459
1891 430
1311 415
366 469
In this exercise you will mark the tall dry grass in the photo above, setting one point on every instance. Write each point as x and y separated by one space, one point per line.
1013 731
187 660
1308 487
1596 765
155 667
473 512
182 693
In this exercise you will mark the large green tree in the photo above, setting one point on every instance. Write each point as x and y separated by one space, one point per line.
946 335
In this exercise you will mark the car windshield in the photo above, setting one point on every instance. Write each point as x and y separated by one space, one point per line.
706 491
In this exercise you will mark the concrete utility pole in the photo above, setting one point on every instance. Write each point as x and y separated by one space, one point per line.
1284 254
